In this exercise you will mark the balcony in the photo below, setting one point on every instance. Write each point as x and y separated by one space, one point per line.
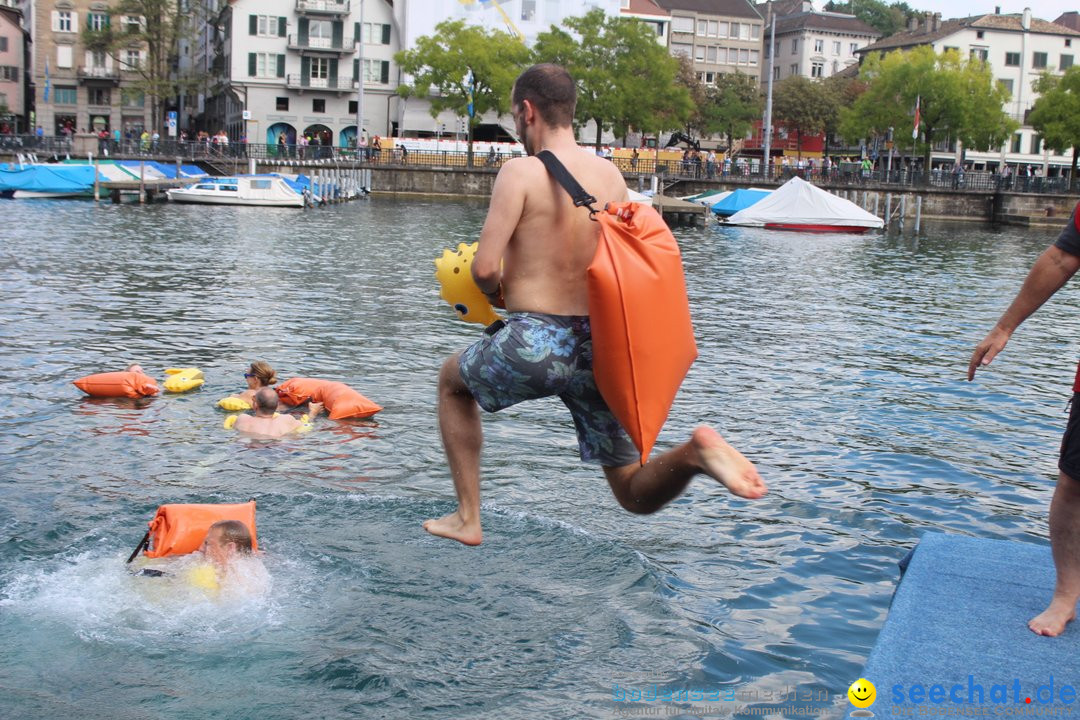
346 46
322 7
299 82
109 75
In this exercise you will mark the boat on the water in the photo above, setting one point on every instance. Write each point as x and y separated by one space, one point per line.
75 178
46 181
259 190
802 206
739 199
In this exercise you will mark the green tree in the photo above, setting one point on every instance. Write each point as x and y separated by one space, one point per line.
1056 114
886 19
841 91
958 100
802 106
624 77
687 76
732 106
156 28
442 63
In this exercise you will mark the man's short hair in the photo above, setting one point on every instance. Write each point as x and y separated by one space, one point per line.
266 399
551 91
233 531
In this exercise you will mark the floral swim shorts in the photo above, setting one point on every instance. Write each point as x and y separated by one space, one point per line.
535 355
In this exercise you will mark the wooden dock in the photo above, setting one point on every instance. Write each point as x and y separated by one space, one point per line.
147 188
679 212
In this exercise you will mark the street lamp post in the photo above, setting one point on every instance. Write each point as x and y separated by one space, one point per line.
768 97
360 80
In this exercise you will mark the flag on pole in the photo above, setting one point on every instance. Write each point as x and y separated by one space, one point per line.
918 119
470 81
46 93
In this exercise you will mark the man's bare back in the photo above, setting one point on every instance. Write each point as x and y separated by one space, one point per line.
546 243
267 426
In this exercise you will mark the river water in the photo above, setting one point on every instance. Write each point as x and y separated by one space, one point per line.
835 362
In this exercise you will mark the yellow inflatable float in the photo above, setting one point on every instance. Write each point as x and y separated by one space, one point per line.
458 287
183 379
234 404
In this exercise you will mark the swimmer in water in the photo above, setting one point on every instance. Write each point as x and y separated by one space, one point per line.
259 375
227 561
228 547
266 422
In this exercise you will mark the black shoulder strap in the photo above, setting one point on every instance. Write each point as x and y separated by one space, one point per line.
564 178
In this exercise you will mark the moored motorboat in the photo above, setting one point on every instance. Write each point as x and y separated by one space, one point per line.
256 190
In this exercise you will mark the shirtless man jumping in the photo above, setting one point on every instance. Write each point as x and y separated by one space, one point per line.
533 253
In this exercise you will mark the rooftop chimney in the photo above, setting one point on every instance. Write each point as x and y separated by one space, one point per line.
913 22
926 21
1025 20
937 22
997 9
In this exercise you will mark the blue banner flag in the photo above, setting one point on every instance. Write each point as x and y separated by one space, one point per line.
470 80
46 94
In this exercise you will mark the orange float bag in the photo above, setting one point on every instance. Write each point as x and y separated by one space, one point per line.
341 401
643 339
117 384
180 529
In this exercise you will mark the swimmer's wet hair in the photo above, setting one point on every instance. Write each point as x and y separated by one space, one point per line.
266 399
233 531
263 372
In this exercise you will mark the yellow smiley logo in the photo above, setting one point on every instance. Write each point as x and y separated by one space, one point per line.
862 693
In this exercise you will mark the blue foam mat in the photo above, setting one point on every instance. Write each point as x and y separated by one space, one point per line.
959 617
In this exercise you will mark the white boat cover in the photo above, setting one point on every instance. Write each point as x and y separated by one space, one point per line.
798 202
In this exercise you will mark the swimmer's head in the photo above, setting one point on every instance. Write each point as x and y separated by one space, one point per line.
135 367
261 373
266 401
225 538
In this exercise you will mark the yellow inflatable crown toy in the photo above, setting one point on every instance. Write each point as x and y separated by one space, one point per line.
458 287
183 379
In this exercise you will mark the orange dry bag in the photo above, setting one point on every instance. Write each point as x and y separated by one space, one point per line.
117 384
643 340
340 400
180 529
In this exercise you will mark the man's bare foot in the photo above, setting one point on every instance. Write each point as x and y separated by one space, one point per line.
1051 621
453 527
726 464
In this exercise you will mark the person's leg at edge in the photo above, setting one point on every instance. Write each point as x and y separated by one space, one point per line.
462 437
1065 544
647 488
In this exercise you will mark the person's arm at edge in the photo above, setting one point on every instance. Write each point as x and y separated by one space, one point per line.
507 204
1049 273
